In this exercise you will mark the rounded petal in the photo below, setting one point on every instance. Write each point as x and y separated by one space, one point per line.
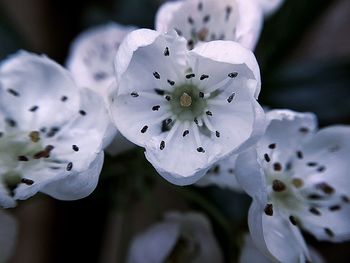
237 58
76 185
29 81
8 235
92 54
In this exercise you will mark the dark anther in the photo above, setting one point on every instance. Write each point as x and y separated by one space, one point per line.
159 91
156 75
167 97
82 113
228 12
272 146
278 186
134 94
233 75
156 108
195 121
334 208
293 220
304 130
64 98
326 188
75 148
52 131
203 77
69 166
209 113
191 75
329 232
171 82
277 167
200 150
11 122
166 52
27 181
162 145
144 129
321 169
200 6
229 99
34 108
190 20
300 155
206 19
217 134
98 76
13 92
23 158
201 94
186 132
267 157
315 211
311 164
268 210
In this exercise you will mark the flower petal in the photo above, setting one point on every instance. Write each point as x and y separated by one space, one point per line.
92 54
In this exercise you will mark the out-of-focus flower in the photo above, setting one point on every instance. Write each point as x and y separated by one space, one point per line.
92 54
222 175
298 178
91 62
251 254
207 20
179 238
188 109
51 132
270 6
8 235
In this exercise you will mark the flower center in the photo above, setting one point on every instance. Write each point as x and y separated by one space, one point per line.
185 100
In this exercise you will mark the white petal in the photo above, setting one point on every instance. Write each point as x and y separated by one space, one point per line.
222 175
270 6
155 244
238 59
211 20
8 235
76 185
40 82
288 130
92 54
276 237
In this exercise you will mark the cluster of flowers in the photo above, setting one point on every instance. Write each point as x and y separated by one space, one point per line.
187 93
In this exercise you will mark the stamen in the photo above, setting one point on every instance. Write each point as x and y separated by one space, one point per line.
300 155
190 20
334 208
134 94
185 100
172 83
321 169
268 210
217 134
11 122
23 158
33 108
228 12
156 75
162 145
75 148
206 19
304 130
209 113
82 113
186 132
166 52
230 98
201 95
267 157
13 92
191 75
156 108
326 188
329 232
202 34
315 211
200 6
293 220
27 181
203 77
277 167
297 182
64 98
144 129
272 146
311 164
232 75
34 136
278 186
200 150
69 166
167 97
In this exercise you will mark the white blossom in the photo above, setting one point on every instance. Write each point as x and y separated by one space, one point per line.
206 20
188 109
178 238
51 132
298 179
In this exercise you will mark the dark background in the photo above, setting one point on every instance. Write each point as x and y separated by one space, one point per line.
304 54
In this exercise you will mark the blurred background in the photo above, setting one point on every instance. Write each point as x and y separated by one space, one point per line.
304 54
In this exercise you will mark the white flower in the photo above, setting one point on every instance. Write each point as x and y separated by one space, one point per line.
8 235
222 174
251 254
91 62
270 6
92 54
179 238
188 109
298 178
51 132
207 20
